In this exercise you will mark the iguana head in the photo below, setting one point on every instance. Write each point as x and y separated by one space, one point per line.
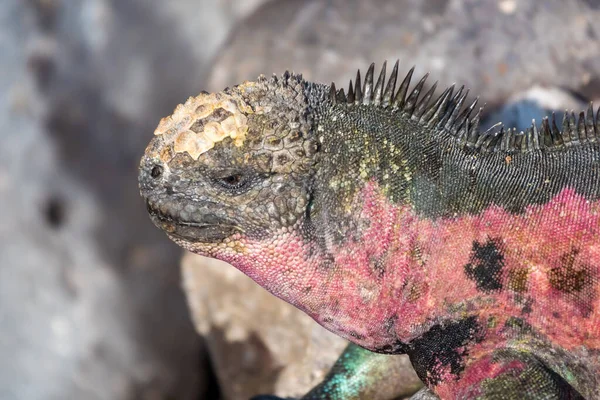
226 175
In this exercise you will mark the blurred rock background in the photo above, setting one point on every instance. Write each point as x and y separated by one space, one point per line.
90 300
91 304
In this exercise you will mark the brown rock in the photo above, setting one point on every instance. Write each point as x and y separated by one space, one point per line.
260 344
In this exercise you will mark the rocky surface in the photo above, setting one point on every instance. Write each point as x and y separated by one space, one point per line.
90 301
494 47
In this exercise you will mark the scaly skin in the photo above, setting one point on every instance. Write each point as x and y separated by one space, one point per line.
399 226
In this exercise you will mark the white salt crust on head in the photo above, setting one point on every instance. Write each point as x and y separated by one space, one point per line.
176 127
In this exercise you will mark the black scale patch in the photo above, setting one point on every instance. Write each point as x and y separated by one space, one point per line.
444 345
485 265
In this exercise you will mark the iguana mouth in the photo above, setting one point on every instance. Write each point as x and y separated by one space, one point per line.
214 229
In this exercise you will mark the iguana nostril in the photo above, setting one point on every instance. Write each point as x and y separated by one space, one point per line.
156 171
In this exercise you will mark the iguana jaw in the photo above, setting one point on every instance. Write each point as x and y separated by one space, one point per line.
207 228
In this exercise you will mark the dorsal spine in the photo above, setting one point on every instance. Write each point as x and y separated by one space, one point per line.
449 113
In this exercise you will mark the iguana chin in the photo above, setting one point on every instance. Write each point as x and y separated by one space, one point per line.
393 221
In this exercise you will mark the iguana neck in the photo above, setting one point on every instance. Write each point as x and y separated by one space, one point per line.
361 226
362 144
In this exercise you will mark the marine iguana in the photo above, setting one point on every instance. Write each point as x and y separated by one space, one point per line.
394 221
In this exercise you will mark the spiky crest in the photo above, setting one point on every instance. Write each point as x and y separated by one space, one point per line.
447 113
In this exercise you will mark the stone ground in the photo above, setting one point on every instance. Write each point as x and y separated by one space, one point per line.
90 300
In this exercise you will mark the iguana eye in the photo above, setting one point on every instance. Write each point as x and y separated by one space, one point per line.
234 182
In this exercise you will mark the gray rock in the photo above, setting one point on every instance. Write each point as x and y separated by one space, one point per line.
90 302
495 47
64 319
